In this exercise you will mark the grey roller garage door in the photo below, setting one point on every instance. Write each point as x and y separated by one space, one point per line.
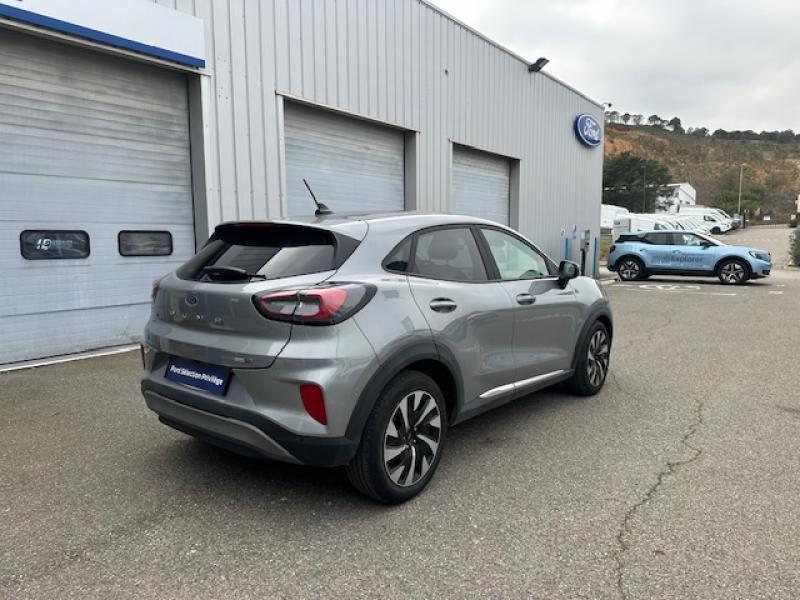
90 146
481 185
352 165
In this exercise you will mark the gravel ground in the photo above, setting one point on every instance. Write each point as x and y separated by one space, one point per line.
679 480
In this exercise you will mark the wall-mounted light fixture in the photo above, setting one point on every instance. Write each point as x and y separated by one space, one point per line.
538 65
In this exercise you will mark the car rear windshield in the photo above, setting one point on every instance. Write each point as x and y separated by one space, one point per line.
267 251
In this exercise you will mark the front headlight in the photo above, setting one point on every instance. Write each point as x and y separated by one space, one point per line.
765 256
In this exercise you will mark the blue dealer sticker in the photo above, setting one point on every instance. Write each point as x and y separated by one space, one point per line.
198 375
588 130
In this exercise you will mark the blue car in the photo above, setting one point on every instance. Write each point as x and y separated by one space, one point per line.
637 255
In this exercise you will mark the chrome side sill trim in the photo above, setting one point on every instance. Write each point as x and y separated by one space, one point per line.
521 384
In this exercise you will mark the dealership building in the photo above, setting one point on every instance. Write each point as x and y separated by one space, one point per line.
131 128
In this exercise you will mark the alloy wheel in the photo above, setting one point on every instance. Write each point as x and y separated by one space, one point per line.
732 272
598 357
412 438
629 270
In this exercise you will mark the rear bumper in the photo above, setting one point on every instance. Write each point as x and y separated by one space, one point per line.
244 431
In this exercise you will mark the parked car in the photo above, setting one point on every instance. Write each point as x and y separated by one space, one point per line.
359 341
639 255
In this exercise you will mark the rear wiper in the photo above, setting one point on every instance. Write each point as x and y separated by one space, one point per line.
231 273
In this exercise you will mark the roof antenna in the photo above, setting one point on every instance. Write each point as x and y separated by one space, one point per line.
321 208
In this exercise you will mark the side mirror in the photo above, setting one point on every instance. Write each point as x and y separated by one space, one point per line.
567 270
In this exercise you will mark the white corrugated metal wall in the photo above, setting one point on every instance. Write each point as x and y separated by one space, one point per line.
398 61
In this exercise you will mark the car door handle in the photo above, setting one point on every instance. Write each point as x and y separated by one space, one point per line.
525 299
444 305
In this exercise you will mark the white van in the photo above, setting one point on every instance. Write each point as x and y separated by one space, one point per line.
711 216
636 222
608 212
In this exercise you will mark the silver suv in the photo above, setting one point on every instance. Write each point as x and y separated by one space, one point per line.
358 341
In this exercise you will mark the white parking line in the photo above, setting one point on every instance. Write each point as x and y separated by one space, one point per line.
671 290
31 364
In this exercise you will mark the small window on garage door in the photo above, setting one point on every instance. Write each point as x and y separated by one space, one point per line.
53 244
144 243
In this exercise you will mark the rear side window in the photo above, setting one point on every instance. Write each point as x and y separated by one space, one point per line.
399 258
450 254
268 251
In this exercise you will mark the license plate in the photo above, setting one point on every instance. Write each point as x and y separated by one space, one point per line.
198 375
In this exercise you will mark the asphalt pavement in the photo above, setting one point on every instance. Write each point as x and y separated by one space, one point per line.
679 480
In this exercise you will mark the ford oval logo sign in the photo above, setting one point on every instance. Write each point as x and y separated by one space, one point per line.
588 130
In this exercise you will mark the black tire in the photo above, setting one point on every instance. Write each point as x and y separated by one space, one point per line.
733 271
369 471
716 231
631 269
591 368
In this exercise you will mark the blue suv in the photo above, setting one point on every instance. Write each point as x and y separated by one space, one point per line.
638 255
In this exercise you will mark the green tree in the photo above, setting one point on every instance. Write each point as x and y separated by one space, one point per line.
637 119
676 125
729 201
626 118
633 182
655 121
700 132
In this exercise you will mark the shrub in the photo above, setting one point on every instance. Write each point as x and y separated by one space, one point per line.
794 248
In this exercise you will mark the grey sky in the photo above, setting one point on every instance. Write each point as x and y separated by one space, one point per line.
716 63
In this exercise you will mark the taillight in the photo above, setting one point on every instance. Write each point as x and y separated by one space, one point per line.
323 305
314 402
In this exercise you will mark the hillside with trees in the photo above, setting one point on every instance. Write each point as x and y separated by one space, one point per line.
710 161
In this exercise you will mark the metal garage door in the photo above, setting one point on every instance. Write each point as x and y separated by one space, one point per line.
352 165
88 143
481 185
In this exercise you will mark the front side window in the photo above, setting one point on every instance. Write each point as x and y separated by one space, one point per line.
514 258
659 239
450 254
688 239
53 244
144 243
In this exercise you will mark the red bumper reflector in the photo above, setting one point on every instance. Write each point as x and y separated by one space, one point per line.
314 402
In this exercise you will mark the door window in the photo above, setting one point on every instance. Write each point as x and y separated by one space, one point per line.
688 239
514 258
658 239
450 254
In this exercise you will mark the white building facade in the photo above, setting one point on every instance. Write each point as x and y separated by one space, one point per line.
132 128
679 194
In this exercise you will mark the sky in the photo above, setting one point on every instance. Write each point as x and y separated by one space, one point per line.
727 64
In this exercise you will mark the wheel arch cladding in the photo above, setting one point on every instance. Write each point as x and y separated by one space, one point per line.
600 314
630 255
425 357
